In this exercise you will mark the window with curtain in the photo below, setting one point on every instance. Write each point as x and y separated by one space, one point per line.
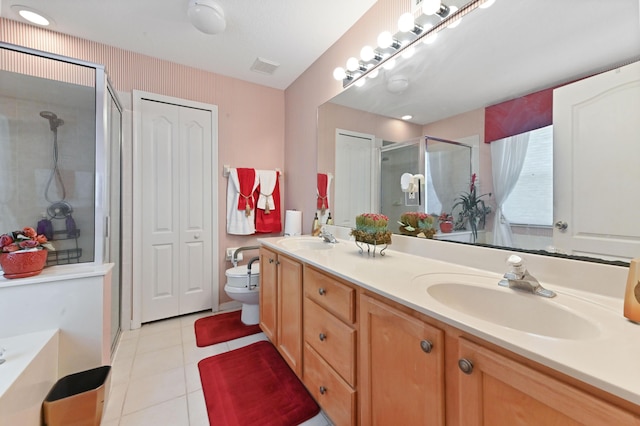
531 201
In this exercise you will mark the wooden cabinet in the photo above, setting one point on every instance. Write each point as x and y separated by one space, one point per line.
496 390
401 367
281 305
330 345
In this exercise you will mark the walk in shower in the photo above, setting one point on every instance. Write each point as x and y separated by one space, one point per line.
444 164
60 137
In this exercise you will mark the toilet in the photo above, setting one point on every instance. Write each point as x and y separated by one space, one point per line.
245 289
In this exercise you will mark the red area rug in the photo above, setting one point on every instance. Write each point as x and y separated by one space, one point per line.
254 385
221 328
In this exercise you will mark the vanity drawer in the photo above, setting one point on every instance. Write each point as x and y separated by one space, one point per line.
336 397
332 295
334 340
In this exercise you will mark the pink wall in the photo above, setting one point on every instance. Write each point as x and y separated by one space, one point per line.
313 88
251 118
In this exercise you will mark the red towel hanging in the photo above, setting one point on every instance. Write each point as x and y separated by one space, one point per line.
323 201
271 222
246 178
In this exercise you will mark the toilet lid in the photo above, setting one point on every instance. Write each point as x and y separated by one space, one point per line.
241 271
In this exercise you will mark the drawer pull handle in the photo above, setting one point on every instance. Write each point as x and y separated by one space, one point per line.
465 365
322 337
323 390
426 346
322 291
270 260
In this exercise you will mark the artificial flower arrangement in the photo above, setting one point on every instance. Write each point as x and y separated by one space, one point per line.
445 217
417 224
371 228
24 240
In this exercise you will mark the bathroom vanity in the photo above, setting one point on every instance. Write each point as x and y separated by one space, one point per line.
407 339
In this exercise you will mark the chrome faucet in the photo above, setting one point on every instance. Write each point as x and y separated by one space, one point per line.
519 278
327 236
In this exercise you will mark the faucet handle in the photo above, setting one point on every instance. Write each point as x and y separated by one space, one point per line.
517 265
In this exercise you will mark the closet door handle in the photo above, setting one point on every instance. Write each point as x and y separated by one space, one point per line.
196 236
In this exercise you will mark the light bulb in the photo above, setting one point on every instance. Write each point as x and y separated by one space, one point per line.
360 82
385 39
407 117
405 22
455 23
408 52
374 73
353 64
339 74
389 64
487 4
431 37
367 53
430 7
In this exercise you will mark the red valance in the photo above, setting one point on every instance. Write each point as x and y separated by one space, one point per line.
518 115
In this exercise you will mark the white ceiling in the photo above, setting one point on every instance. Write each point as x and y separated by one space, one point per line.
292 33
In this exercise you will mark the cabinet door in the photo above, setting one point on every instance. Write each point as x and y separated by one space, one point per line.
401 368
268 292
289 323
496 390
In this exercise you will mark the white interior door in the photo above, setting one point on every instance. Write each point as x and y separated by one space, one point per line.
597 129
355 177
176 144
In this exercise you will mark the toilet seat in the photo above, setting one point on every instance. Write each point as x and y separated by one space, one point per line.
238 277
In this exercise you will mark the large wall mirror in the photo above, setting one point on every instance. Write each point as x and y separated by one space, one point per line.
566 187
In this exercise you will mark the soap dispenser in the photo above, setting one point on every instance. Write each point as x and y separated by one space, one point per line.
329 219
315 227
632 295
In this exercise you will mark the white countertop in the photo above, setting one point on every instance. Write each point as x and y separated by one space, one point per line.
607 357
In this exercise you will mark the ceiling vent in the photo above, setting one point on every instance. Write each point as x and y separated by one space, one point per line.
264 66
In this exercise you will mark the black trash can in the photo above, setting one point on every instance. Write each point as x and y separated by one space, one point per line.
77 399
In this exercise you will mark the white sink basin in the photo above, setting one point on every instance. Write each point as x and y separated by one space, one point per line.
482 298
304 243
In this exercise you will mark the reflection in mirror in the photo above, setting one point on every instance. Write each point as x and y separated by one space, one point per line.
499 75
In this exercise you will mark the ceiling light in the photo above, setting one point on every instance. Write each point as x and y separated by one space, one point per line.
31 15
373 74
405 22
360 82
385 40
207 16
407 117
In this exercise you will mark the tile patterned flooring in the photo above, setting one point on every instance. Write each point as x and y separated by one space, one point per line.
155 379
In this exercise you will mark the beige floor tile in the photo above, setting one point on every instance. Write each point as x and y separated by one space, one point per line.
158 361
173 412
318 420
129 334
159 326
193 354
121 370
189 335
126 349
247 340
115 401
156 341
197 408
146 391
192 376
189 320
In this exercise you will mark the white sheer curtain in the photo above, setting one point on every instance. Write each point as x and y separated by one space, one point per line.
507 158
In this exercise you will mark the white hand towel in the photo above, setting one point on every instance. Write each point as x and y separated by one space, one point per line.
267 180
238 223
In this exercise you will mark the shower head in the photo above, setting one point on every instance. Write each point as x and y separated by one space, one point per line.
54 121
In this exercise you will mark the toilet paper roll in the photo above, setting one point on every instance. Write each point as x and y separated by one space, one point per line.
292 223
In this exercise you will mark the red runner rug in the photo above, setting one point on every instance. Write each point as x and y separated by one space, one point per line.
221 328
254 385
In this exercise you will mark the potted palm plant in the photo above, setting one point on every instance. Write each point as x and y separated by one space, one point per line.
473 209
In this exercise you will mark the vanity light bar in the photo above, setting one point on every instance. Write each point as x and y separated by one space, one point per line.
379 58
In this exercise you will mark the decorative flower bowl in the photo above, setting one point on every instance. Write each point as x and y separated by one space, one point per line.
22 264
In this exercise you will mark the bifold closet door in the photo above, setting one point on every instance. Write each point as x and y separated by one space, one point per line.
176 210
